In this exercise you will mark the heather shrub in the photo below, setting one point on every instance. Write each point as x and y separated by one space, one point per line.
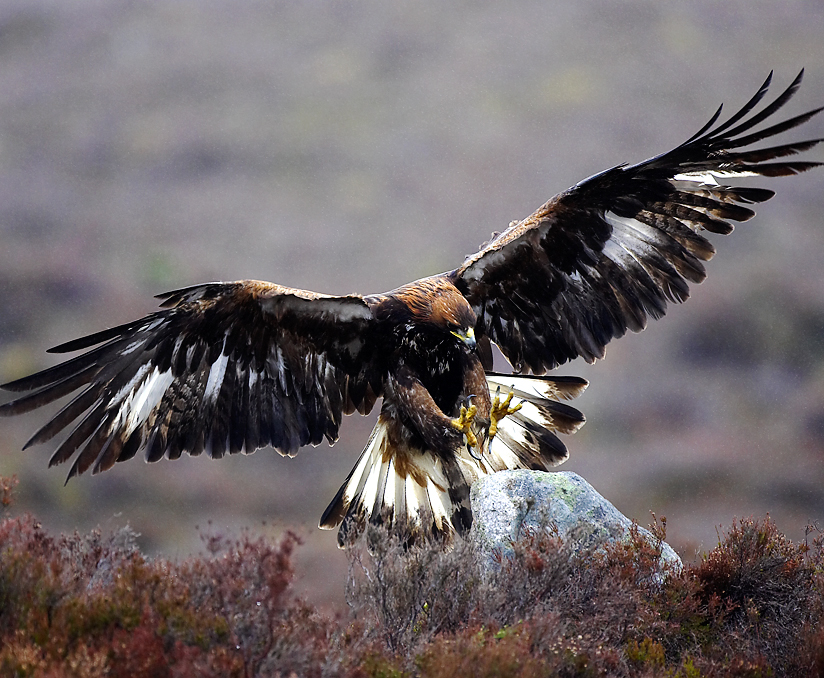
751 607
87 605
408 594
765 591
93 605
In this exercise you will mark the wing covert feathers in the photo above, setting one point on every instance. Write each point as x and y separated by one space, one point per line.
614 250
223 368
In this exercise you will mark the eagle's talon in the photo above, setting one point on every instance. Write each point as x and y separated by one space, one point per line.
500 410
472 453
464 424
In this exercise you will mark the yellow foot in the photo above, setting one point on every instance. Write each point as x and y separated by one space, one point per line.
464 424
501 409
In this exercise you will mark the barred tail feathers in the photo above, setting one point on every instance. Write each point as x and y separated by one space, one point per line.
417 491
527 438
413 490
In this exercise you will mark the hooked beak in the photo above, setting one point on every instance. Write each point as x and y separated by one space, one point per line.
467 337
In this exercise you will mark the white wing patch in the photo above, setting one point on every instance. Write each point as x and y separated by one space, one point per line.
139 397
216 374
708 177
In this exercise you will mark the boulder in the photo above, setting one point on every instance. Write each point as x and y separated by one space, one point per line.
505 504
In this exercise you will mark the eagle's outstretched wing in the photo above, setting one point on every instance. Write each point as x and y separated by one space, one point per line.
222 368
610 252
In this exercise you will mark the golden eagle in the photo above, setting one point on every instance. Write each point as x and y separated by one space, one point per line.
232 367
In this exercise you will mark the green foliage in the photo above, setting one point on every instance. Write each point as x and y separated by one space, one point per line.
89 606
647 653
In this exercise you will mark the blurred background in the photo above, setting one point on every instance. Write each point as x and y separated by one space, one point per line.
354 146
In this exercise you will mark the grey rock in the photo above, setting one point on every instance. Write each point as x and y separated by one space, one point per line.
505 504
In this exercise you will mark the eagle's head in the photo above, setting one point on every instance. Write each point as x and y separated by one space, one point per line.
433 306
452 312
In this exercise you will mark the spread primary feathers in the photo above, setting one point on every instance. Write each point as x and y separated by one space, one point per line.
232 367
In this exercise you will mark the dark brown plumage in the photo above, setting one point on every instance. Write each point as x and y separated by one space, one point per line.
232 367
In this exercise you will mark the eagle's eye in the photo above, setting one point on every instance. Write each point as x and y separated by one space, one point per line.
465 334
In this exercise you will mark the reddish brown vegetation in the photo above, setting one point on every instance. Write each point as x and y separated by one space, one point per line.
85 605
